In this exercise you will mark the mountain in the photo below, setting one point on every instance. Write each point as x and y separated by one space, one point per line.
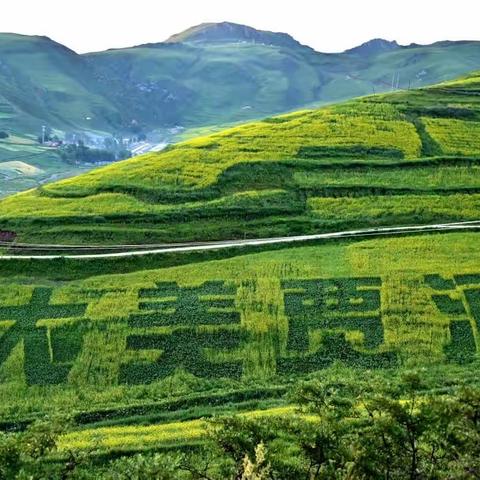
397 158
43 82
227 32
222 73
210 74
374 47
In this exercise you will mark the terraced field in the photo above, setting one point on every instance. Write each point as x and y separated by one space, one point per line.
141 353
417 151
159 346
24 164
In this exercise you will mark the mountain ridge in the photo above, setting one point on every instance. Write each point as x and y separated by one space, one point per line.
235 32
374 46
235 78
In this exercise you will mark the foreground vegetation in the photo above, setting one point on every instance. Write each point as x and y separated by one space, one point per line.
408 157
138 365
346 360
344 426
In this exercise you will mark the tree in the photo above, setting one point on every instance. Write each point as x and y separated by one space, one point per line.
238 438
10 456
152 467
259 469
3 135
22 454
392 431
80 153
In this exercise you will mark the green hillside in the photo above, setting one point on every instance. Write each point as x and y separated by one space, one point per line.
323 359
404 158
43 82
221 73
141 361
208 75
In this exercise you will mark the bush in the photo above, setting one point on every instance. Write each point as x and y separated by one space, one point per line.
3 135
81 153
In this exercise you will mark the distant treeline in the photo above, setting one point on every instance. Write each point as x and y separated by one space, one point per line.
80 153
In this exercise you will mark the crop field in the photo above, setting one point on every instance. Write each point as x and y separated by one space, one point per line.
25 165
455 137
417 151
139 353
162 346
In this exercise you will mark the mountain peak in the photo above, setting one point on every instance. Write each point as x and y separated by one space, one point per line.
374 47
228 32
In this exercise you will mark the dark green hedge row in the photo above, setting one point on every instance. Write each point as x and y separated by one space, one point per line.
183 348
196 400
66 340
448 305
462 347
468 279
356 151
187 305
334 348
439 283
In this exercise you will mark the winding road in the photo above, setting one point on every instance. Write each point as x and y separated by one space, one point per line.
136 250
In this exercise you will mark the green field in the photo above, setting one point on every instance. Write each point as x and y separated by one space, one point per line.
306 172
240 75
229 334
209 357
24 164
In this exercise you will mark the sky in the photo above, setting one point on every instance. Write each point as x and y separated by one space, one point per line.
326 25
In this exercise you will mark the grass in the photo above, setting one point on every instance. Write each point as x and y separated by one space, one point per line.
17 168
382 209
141 358
145 437
423 178
198 87
134 437
379 159
455 137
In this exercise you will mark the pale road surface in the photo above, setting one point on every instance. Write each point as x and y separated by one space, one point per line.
441 227
145 147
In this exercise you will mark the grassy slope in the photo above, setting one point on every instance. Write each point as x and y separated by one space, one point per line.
43 82
105 349
97 370
408 157
197 85
203 83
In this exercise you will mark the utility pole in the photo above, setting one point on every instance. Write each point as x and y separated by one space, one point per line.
44 128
